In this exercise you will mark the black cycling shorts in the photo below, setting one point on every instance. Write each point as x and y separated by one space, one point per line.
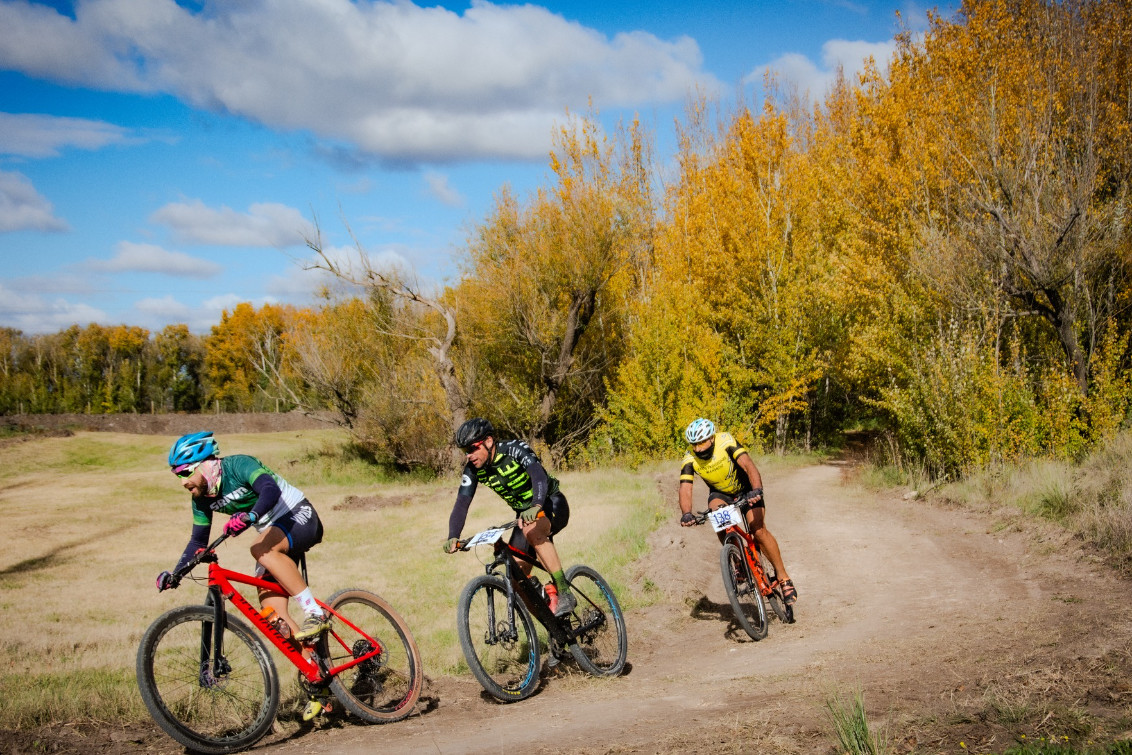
303 529
557 510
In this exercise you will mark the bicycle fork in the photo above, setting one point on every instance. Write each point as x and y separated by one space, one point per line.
213 665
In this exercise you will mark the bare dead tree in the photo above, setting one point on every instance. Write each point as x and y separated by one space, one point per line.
438 342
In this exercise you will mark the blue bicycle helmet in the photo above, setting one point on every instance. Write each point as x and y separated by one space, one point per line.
699 431
194 447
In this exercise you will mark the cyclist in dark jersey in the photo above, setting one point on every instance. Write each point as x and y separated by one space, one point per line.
512 470
731 477
251 494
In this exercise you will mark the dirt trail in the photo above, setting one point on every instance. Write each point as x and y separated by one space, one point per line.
949 621
956 625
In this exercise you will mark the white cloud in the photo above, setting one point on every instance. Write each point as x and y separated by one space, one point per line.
265 224
30 135
22 208
301 282
148 258
33 313
399 81
159 312
810 80
439 188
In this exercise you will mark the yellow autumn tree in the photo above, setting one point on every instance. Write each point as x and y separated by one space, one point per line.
546 285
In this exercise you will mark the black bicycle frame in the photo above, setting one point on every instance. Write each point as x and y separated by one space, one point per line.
558 629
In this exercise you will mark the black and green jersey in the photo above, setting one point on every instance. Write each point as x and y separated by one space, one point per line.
514 472
509 474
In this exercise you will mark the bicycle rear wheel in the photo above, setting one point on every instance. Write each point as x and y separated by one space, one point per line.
208 705
504 658
777 600
381 689
603 644
742 590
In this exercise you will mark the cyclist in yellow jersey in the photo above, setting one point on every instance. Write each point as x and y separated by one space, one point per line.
731 477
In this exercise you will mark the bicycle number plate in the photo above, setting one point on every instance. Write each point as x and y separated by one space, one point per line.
728 516
487 536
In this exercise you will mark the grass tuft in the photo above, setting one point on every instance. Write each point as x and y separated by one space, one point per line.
851 727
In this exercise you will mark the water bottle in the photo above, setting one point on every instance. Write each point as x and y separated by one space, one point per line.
273 619
538 587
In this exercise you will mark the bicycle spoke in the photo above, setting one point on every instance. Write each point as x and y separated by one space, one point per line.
200 708
385 686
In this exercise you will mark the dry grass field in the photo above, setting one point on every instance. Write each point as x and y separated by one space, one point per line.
957 628
90 519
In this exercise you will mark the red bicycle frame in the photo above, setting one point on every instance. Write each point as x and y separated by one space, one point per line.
220 586
750 551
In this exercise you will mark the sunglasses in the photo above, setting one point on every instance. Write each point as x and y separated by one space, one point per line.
186 470
470 449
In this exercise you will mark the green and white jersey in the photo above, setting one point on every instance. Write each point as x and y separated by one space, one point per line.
238 476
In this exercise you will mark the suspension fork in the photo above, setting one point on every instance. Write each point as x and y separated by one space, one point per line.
510 633
212 638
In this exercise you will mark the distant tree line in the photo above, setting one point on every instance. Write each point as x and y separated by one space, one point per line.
100 370
937 251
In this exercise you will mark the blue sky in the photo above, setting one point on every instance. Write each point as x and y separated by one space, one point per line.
162 161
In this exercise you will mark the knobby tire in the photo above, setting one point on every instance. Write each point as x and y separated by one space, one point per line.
382 689
602 650
506 666
742 590
204 711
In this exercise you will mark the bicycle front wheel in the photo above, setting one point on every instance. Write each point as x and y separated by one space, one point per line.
209 702
603 642
502 654
742 590
381 689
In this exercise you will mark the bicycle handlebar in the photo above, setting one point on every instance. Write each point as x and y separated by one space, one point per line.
462 545
744 504
204 554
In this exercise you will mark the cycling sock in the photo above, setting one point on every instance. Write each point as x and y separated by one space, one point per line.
560 581
306 602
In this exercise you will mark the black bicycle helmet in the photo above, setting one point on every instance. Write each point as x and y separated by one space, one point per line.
473 431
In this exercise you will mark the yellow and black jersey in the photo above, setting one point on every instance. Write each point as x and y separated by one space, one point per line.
721 472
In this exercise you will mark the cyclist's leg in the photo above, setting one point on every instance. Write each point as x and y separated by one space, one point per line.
282 546
756 517
537 533
271 544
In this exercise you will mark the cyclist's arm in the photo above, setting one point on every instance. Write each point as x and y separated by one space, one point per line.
685 497
687 477
464 495
540 483
198 538
267 495
747 465
459 515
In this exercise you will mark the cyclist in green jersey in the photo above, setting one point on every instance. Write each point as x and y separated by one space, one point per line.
731 477
251 494
512 470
